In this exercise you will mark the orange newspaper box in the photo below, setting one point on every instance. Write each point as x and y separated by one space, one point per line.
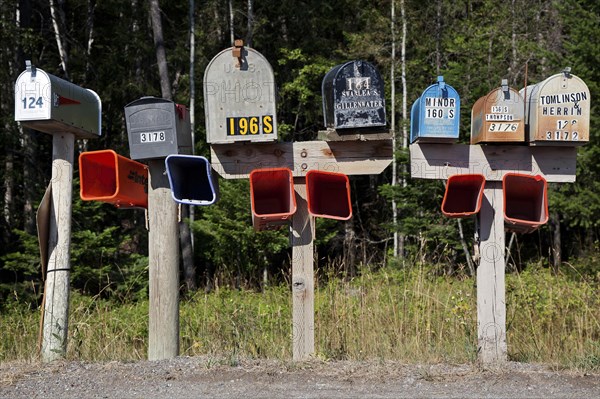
463 195
328 195
109 177
272 197
525 202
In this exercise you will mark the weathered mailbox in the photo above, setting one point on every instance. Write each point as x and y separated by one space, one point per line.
49 104
498 116
191 179
239 97
272 197
353 96
109 177
157 128
558 111
435 116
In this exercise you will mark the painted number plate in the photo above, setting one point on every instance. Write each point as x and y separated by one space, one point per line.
250 125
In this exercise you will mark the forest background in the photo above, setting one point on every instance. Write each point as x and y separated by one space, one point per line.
109 47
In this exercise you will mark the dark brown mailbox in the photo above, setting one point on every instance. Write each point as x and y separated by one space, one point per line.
353 96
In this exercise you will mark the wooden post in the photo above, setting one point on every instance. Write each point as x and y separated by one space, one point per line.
303 290
163 324
491 304
56 307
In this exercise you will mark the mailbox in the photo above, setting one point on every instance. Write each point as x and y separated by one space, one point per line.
463 195
273 198
157 128
109 177
558 111
498 117
239 97
49 104
191 179
525 202
353 97
435 116
328 195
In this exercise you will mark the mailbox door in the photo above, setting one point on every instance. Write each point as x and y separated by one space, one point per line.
500 117
439 111
358 96
239 100
559 111
151 128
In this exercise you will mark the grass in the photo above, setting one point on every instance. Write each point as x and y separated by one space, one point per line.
409 315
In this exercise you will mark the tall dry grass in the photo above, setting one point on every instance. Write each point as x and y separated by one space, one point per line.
410 315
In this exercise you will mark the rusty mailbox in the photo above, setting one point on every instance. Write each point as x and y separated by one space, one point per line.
435 115
558 111
239 97
498 117
49 104
353 96
157 128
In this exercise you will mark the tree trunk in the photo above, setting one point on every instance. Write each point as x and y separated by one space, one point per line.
231 32
159 44
58 22
404 112
556 241
393 125
250 23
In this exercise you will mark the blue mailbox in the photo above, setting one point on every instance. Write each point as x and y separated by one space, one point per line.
435 116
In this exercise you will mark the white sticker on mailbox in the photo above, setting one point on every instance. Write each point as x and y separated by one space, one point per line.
32 101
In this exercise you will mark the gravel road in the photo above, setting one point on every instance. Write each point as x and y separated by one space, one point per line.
204 377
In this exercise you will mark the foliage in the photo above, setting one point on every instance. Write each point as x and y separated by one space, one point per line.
110 49
408 315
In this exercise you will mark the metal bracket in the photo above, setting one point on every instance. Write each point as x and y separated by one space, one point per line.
30 68
238 51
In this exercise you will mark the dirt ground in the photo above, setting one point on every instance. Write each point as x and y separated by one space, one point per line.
204 377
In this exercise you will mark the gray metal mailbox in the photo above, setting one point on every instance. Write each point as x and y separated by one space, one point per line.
558 111
353 96
49 104
157 128
239 97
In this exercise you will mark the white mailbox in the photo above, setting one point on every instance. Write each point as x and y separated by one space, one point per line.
239 97
52 105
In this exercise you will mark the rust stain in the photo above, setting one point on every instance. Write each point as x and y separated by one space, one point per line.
327 152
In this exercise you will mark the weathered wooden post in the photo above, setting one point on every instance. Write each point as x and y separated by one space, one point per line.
556 118
157 128
46 103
